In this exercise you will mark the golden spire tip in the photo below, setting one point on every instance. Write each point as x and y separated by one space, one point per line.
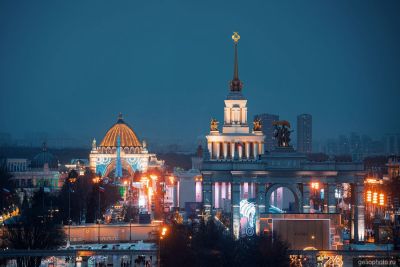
235 37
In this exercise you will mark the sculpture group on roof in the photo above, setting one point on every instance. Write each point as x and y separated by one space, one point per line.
282 133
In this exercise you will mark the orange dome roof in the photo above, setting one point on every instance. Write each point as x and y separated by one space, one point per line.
127 135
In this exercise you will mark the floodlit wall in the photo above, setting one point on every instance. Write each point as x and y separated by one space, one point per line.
110 233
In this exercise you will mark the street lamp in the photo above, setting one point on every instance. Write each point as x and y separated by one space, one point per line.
71 180
162 235
96 180
130 230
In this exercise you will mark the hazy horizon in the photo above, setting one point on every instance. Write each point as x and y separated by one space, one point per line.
68 69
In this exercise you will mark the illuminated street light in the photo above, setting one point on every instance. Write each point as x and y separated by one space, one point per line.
163 233
96 180
315 185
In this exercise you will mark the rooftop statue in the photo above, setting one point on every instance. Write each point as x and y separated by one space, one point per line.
282 133
214 125
257 124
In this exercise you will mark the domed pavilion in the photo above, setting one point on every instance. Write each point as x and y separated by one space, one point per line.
120 153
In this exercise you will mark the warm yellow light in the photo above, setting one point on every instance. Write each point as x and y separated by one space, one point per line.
372 181
375 198
96 180
164 231
150 192
125 182
154 177
381 199
369 195
144 180
171 179
315 186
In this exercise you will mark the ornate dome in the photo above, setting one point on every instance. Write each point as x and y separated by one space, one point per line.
44 157
127 135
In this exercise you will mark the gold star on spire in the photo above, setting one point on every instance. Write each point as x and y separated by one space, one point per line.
235 37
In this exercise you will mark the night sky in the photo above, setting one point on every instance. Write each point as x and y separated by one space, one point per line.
69 67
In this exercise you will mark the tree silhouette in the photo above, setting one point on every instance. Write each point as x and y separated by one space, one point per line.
35 228
209 244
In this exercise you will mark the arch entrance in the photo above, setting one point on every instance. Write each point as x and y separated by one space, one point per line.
126 169
291 191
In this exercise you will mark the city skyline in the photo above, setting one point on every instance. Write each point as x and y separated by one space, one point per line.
289 64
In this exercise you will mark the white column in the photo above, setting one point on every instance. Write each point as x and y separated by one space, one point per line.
235 189
225 150
198 192
233 150
229 191
245 190
222 195
217 150
209 144
359 218
223 192
216 195
240 151
243 116
255 149
227 116
262 148
247 145
260 151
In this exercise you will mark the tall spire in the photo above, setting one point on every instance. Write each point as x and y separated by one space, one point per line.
236 85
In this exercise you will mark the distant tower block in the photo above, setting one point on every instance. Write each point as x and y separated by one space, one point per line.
304 133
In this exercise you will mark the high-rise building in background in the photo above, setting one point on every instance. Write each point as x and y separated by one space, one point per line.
343 145
392 144
304 133
268 129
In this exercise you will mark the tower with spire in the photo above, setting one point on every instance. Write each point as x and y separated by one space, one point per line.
236 141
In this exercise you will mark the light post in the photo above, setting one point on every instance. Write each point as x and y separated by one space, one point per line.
130 230
96 180
162 235
71 180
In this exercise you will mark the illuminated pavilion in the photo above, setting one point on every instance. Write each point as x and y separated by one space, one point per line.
121 154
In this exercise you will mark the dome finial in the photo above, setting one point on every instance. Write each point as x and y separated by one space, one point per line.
236 85
120 118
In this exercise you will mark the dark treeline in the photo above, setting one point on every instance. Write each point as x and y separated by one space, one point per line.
207 244
63 155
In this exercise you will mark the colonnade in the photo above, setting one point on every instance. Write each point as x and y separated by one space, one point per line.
235 150
216 192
